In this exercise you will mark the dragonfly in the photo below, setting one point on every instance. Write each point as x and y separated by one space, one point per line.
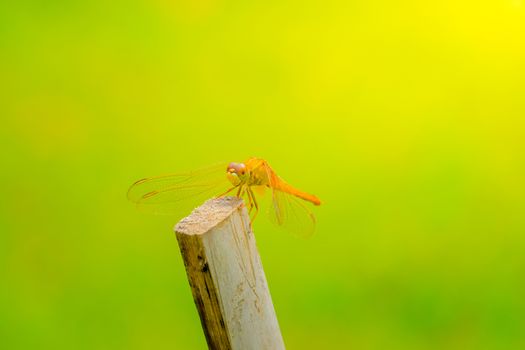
179 193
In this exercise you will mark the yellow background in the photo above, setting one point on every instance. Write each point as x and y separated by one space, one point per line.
405 118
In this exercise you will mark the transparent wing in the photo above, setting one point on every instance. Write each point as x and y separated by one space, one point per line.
291 214
287 211
178 194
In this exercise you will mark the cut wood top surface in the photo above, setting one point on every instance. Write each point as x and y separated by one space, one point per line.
208 215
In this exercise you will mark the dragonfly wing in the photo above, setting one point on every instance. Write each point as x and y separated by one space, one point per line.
179 193
291 214
287 211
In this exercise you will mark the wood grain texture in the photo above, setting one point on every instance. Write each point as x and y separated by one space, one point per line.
226 277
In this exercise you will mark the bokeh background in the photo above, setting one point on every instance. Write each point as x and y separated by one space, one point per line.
406 118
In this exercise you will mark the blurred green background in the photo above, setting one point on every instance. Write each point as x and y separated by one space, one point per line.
405 118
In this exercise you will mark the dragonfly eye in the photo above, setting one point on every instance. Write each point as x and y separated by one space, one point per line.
242 169
233 168
237 168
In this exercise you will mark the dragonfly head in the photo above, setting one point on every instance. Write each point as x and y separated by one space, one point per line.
237 173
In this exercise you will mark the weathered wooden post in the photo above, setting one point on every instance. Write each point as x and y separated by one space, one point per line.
227 278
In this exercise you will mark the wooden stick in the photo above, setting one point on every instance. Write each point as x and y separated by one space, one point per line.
226 277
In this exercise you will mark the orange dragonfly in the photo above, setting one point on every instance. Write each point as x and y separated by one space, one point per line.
180 193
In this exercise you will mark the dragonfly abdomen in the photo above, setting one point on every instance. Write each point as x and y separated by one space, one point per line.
283 186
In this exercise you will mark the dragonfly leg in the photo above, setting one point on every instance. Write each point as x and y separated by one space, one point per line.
225 193
254 202
249 194
250 201
240 193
